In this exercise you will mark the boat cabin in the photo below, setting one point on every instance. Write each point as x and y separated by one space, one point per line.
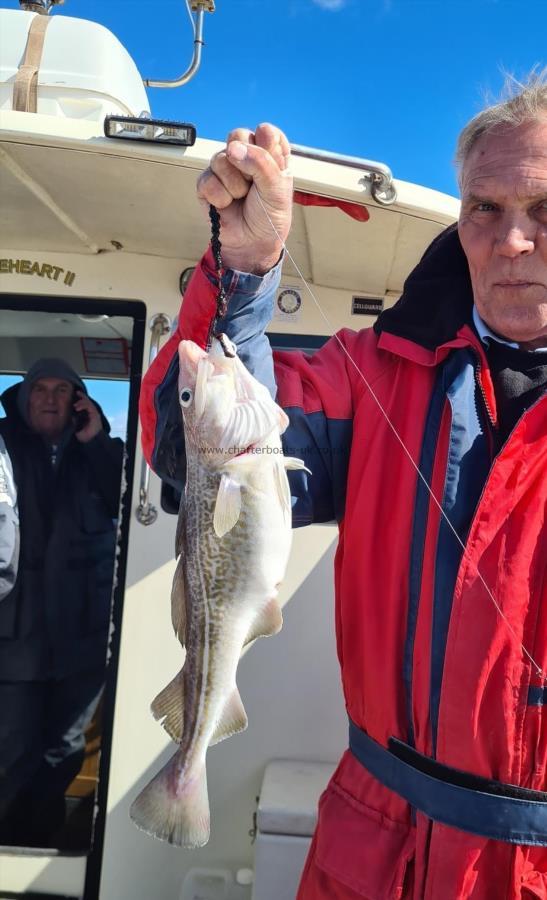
100 231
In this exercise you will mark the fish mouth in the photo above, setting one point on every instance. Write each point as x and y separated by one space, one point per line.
247 451
224 347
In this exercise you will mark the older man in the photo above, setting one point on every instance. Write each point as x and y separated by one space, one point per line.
54 618
442 638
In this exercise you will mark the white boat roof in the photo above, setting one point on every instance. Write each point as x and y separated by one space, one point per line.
81 192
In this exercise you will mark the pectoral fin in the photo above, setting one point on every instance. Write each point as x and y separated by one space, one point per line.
283 489
228 505
291 462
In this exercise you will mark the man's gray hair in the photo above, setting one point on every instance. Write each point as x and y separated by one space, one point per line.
521 103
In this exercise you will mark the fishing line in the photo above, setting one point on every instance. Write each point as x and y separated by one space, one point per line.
466 554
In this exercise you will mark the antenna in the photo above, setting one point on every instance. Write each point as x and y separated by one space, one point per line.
194 6
42 7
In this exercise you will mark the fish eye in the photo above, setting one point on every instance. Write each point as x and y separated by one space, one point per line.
185 397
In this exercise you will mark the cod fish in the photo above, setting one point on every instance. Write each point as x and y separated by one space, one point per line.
233 540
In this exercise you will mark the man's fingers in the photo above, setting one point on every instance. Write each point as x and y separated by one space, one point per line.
236 182
249 156
267 136
245 135
275 142
248 184
82 401
211 189
222 181
255 163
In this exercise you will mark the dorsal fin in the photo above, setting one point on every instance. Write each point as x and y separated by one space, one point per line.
180 535
178 602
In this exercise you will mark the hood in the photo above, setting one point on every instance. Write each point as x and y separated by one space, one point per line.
437 298
45 368
15 398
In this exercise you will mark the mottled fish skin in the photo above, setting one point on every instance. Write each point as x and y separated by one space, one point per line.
225 587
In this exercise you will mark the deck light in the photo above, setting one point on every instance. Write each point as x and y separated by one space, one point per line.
155 130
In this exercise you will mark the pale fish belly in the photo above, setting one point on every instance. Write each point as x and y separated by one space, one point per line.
229 585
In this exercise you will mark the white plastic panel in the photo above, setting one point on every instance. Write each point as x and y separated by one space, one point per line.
85 72
279 861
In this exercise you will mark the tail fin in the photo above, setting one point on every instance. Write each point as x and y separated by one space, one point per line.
172 810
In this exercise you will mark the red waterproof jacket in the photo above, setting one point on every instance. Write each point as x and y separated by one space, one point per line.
426 656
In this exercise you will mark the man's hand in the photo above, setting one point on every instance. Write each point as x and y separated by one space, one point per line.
252 164
82 403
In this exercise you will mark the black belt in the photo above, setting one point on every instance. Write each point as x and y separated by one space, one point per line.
491 809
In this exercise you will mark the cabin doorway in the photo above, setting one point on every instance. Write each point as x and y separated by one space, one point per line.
69 382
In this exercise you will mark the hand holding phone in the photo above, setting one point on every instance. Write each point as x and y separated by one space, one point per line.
86 417
81 418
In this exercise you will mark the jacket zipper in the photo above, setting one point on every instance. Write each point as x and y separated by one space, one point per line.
493 430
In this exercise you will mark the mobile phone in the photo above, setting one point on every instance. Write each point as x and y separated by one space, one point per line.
81 418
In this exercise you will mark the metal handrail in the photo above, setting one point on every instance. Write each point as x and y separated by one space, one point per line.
382 187
146 513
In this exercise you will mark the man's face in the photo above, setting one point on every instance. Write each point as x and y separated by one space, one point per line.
503 231
50 406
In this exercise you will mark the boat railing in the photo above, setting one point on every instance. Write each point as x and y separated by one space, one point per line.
380 176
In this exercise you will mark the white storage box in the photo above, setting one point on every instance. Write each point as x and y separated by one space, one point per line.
85 73
286 819
214 884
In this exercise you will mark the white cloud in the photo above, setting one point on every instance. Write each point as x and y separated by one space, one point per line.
118 424
330 4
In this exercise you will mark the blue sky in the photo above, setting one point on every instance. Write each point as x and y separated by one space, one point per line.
391 80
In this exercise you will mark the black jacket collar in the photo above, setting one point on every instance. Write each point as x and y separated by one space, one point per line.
437 297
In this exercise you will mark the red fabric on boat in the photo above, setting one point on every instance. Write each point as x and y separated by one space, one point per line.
355 210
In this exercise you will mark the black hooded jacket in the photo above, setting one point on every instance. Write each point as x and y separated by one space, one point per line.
55 621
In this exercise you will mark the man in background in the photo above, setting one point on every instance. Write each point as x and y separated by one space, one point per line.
54 621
